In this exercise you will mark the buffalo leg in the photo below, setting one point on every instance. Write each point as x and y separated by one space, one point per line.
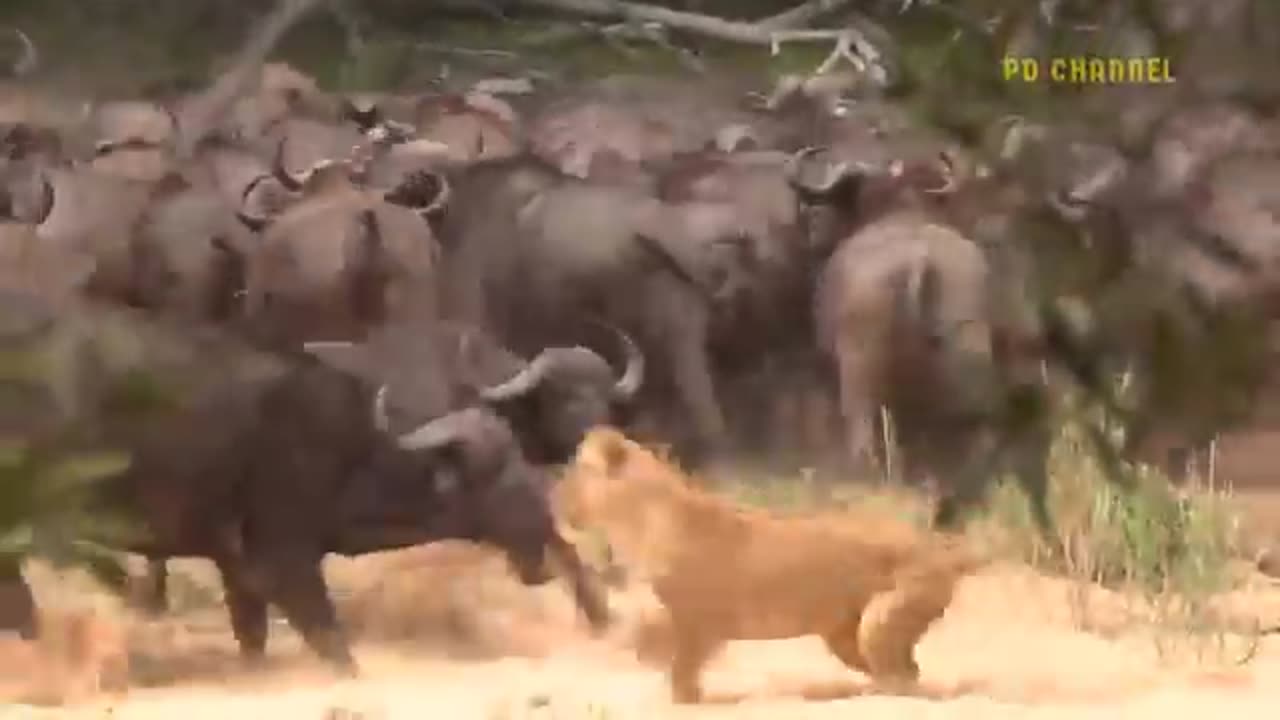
856 407
156 600
588 596
17 605
247 609
968 487
297 586
686 343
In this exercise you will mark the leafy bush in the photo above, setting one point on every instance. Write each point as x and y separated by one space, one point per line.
48 488
47 512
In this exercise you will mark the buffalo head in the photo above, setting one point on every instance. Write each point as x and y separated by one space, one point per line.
830 200
565 391
496 496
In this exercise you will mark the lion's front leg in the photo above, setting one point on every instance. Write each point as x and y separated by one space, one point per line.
893 623
691 653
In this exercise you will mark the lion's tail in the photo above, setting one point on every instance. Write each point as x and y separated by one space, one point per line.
948 560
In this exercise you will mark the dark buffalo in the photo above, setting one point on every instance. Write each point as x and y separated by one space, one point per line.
550 402
274 463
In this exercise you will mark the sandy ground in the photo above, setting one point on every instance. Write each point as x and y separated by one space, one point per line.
477 645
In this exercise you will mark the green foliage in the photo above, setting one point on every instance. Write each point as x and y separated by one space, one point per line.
47 511
1168 554
1147 537
49 490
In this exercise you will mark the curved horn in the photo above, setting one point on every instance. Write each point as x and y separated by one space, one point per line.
519 385
30 58
435 433
254 222
282 174
1067 205
45 208
834 175
381 421
793 163
441 200
633 377
104 147
951 183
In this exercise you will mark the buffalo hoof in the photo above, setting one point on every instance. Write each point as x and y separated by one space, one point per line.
346 669
614 576
1268 563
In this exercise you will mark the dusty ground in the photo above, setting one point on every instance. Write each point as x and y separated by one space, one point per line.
1010 646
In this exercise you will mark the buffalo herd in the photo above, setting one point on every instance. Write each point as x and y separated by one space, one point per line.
408 308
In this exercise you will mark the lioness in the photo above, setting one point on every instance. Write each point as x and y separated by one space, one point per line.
722 572
79 653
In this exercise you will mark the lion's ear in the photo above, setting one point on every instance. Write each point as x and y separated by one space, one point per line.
615 452
606 448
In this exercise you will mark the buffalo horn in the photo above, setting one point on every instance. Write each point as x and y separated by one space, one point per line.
441 200
281 174
834 175
381 420
30 58
46 201
251 220
1067 205
633 376
255 223
435 433
950 183
523 381
793 162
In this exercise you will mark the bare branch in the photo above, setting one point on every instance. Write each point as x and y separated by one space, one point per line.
474 52
350 24
801 15
706 25
655 33
244 74
851 45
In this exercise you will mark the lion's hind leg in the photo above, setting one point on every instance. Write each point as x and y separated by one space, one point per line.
893 623
843 642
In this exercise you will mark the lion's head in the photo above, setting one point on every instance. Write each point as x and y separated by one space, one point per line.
611 471
631 493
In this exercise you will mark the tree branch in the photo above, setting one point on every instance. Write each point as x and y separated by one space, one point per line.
706 25
244 74
802 15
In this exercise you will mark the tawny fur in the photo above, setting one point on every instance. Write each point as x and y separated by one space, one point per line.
79 654
869 587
